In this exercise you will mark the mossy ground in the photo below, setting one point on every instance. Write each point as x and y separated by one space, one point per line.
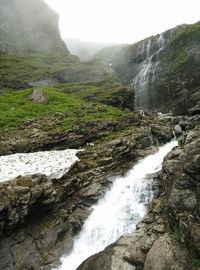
176 235
93 90
16 108
196 262
22 68
178 49
78 101
186 34
19 70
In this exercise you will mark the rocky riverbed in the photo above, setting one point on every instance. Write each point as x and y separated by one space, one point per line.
39 217
168 236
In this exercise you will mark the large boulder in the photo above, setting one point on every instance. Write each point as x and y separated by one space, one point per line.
39 96
166 254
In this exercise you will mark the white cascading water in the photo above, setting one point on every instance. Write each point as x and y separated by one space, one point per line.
118 212
146 74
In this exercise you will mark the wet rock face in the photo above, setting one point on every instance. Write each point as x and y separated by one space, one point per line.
181 180
163 69
166 254
44 134
195 110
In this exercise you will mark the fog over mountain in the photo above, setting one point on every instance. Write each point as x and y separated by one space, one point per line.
85 50
25 26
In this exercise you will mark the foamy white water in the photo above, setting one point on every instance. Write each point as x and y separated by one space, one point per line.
122 207
53 164
146 74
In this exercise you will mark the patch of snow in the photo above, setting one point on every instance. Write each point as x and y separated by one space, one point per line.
53 164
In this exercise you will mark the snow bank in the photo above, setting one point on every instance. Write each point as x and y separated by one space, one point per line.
53 164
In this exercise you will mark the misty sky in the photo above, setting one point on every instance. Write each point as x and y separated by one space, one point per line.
122 21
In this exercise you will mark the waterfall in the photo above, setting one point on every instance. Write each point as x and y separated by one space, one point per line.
146 74
122 207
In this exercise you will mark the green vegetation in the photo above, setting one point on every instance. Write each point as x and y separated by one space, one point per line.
18 70
196 262
186 35
15 108
180 60
178 53
176 235
21 69
93 90
129 130
77 101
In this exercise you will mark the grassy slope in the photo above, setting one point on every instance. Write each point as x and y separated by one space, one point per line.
69 98
15 108
16 71
33 66
96 90
180 45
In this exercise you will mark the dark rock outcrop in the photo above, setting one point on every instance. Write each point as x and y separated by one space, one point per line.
21 197
44 134
195 110
181 181
123 99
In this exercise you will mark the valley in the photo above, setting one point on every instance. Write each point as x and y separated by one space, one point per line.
111 113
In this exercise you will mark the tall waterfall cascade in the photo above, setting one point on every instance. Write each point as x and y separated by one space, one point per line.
142 82
118 212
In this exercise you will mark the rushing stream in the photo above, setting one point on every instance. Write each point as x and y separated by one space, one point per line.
117 213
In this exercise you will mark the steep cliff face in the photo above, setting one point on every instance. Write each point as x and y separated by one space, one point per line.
163 69
25 26
181 182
